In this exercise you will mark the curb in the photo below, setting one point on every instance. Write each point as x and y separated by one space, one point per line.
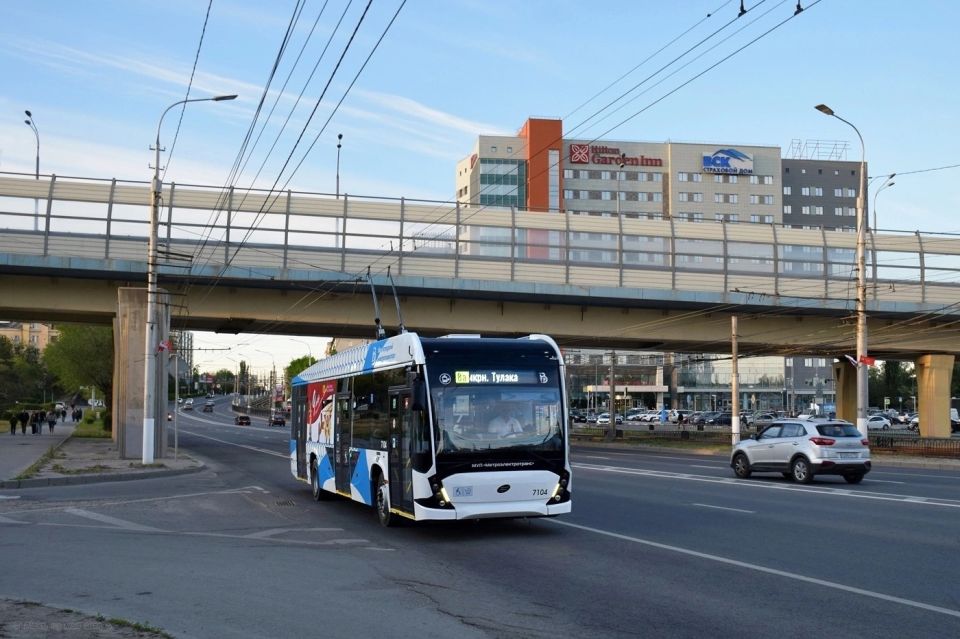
69 480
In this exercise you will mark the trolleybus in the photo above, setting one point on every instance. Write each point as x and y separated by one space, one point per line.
455 427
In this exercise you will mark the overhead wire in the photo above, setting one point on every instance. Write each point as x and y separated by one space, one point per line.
183 107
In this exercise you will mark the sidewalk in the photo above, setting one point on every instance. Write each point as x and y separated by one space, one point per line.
77 460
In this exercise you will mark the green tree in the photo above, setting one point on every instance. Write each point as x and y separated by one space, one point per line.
83 356
225 379
297 366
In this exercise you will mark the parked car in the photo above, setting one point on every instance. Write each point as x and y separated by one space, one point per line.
721 419
800 450
242 420
878 422
277 419
763 420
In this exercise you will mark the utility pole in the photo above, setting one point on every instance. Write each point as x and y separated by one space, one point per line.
734 383
612 427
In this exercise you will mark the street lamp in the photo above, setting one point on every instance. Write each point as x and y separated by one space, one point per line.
150 348
623 158
886 185
309 349
339 138
36 202
861 280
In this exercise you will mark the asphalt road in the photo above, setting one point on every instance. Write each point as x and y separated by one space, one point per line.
658 545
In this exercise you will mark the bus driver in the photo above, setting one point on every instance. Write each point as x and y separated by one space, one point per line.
504 424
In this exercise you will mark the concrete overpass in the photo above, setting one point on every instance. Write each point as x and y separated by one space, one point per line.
294 263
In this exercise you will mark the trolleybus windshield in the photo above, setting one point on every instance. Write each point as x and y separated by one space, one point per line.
496 409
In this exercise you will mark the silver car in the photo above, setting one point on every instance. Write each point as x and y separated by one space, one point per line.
801 449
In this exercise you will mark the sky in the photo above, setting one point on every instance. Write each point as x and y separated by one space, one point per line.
98 75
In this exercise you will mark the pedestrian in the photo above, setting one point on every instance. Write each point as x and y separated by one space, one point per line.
34 419
24 419
14 418
79 415
52 419
63 415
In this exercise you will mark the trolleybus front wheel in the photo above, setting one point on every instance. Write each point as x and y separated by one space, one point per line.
386 517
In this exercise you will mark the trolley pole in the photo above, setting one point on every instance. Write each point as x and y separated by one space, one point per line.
734 383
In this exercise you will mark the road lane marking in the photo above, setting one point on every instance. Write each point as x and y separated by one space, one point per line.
709 467
729 481
736 510
253 448
593 456
270 532
886 481
770 571
9 496
7 520
113 521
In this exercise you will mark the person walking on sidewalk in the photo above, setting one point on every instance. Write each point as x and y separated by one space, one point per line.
52 419
14 418
24 419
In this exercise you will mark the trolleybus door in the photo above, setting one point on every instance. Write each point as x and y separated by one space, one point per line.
401 439
341 444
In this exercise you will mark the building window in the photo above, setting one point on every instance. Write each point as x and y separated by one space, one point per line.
768 199
584 195
568 194
818 210
732 179
838 193
658 197
838 210
804 210
683 197
755 219
606 175
754 199
836 171
787 209
698 197
697 177
818 191
754 179
509 149
568 174
804 190
851 193
718 198
768 179
605 195
682 177
493 149
787 190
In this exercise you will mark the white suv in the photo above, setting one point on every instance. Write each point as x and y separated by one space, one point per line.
800 449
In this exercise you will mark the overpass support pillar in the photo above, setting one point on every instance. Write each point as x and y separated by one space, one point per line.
129 334
845 378
934 373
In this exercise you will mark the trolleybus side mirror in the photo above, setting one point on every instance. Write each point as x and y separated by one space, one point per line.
419 395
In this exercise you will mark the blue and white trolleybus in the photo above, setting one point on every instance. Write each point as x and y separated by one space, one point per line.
455 427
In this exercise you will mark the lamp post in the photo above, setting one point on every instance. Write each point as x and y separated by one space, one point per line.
339 138
150 343
861 280
309 349
886 185
623 158
36 202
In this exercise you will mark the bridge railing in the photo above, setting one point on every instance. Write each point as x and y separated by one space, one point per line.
253 233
